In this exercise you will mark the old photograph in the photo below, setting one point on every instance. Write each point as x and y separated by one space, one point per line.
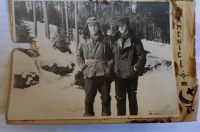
92 60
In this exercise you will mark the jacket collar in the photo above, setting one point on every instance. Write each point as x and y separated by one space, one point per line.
127 43
90 40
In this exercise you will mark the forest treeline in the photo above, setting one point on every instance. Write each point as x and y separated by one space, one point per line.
150 20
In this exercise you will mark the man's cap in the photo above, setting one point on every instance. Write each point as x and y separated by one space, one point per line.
91 19
122 20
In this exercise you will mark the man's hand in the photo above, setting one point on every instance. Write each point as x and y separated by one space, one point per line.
82 67
110 63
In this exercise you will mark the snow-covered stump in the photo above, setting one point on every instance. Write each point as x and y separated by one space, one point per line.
59 70
53 64
25 72
50 71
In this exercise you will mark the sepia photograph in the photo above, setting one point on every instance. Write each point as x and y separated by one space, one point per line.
92 60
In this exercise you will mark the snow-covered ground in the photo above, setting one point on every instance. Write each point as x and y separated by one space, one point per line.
157 95
161 50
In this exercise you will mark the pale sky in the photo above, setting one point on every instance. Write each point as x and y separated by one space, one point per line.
198 12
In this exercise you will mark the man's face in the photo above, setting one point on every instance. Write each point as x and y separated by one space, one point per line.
93 28
122 28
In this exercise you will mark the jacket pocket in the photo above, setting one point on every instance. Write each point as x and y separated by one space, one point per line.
126 69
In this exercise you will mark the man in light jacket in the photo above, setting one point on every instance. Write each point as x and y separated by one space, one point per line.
94 58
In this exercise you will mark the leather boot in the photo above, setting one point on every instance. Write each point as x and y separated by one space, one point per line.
106 111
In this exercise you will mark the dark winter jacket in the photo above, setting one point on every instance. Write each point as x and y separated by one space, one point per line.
129 57
95 58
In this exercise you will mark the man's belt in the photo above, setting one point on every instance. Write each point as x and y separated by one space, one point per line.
95 61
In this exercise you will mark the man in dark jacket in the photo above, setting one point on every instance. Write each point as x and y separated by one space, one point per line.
130 58
94 58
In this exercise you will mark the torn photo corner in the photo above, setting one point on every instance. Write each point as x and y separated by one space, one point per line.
103 62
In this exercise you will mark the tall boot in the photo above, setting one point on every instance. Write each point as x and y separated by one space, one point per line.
106 110
89 110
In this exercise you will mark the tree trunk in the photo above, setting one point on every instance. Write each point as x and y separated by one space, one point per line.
142 30
131 7
163 41
150 34
111 29
112 9
168 34
122 5
46 19
34 18
27 7
89 9
24 8
97 10
30 6
67 21
123 8
43 4
154 35
71 23
147 30
41 12
62 16
76 24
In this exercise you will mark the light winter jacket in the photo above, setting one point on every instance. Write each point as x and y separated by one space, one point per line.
95 58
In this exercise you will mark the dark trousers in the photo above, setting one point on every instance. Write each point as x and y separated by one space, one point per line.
123 86
92 85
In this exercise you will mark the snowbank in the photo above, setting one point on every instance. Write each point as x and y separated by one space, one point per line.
23 64
25 71
159 49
